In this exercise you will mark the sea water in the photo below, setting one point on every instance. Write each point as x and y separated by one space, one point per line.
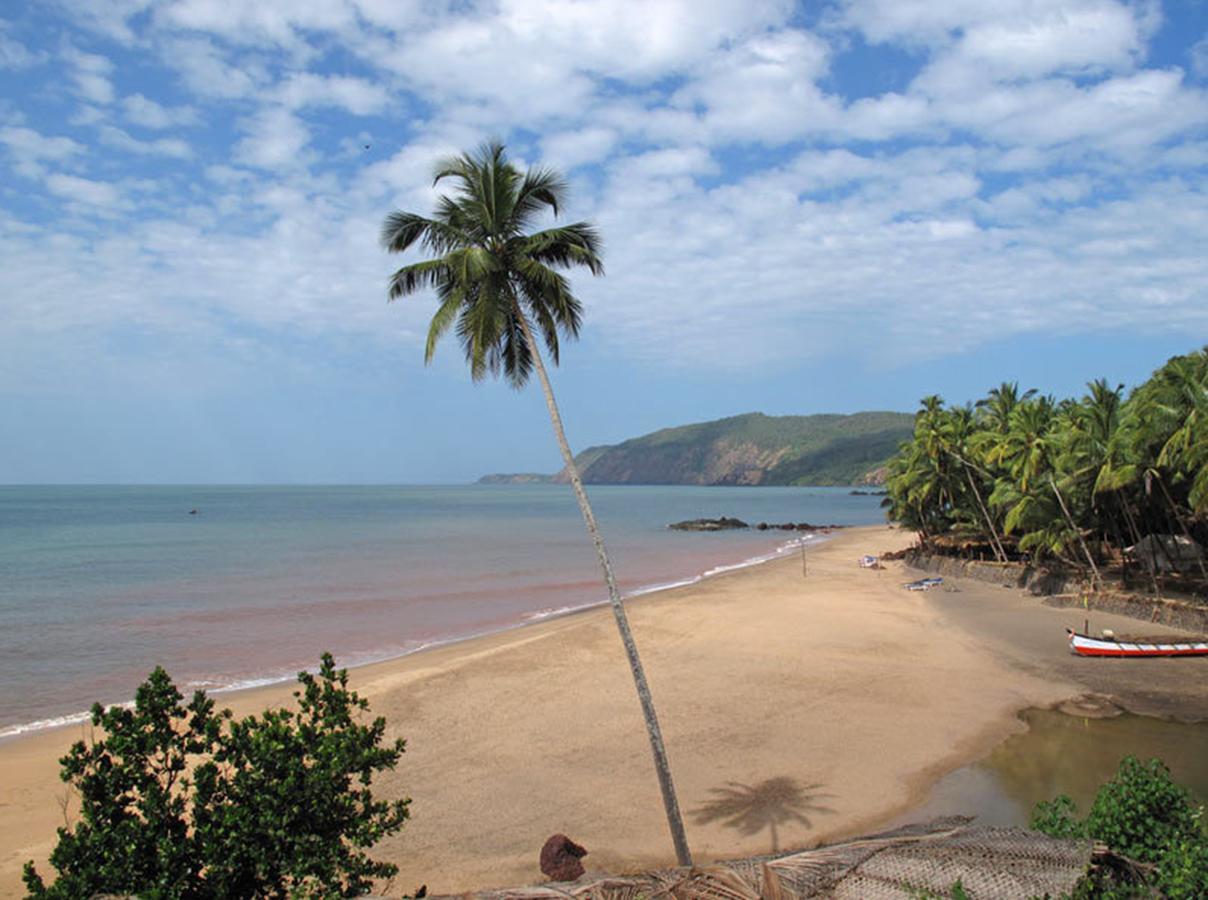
235 586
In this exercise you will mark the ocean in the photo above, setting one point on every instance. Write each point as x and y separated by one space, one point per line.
99 584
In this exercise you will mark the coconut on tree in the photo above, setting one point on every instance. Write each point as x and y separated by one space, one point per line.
499 285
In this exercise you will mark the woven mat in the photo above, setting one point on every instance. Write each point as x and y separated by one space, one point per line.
991 864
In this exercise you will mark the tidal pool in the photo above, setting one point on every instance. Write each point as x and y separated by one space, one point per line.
1064 754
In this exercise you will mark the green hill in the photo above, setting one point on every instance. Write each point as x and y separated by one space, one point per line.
749 449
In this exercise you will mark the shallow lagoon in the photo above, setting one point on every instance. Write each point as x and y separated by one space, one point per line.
1061 753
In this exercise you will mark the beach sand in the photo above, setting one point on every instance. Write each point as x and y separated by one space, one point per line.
835 695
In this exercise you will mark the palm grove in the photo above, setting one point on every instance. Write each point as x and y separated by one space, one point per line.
1093 484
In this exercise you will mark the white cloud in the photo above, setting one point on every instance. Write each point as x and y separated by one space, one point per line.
1199 57
14 54
1102 36
567 149
1029 24
1123 113
90 74
206 71
84 190
108 17
355 95
762 89
148 114
750 215
274 139
278 22
171 147
30 150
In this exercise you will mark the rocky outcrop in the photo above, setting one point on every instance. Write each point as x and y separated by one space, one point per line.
560 859
877 476
794 526
722 524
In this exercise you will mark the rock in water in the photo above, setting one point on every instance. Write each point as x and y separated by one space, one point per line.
708 524
560 859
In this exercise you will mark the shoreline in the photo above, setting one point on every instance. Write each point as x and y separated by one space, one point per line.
9 733
853 692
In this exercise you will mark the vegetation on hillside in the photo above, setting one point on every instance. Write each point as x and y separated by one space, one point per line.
750 449
180 801
1077 481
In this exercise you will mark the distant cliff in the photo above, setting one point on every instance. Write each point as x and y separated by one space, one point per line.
751 449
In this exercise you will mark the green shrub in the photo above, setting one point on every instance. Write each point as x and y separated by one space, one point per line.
1143 815
183 802
1141 812
1058 817
1183 870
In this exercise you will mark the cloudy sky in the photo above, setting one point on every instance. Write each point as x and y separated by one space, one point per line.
806 207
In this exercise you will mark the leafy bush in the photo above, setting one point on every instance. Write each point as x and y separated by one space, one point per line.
183 802
1143 815
1141 812
1183 870
1058 817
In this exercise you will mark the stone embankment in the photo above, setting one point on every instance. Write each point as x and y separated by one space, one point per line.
1064 589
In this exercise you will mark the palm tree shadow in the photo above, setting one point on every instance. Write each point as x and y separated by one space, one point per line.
769 804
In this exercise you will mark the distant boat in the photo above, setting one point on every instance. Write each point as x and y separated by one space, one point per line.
1125 645
868 562
923 584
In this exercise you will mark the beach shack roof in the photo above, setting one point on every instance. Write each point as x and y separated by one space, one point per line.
907 862
1167 552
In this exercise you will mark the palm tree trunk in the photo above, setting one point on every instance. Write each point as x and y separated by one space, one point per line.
671 805
1097 581
1148 558
999 553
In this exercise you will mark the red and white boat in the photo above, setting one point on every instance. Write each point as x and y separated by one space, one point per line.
1125 645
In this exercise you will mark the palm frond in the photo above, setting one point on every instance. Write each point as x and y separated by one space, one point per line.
541 188
445 315
401 230
416 277
578 244
547 294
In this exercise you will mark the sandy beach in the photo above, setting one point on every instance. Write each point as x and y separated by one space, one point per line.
852 694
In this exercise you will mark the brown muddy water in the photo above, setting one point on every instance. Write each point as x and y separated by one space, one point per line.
1064 754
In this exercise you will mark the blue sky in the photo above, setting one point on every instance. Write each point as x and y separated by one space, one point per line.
806 208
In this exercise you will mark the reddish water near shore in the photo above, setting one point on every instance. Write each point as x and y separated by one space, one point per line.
100 584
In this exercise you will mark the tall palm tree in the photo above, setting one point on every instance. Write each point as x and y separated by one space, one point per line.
962 427
497 283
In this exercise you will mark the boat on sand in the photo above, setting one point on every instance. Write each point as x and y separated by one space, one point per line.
1128 645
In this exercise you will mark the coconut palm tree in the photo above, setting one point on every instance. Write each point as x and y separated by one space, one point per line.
497 284
955 428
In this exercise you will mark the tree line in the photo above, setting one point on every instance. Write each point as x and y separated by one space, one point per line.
1020 475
